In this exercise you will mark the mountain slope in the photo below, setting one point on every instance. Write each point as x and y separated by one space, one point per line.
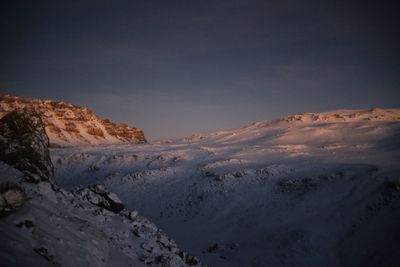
314 189
43 225
70 125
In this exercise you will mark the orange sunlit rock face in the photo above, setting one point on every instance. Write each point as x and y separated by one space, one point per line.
70 125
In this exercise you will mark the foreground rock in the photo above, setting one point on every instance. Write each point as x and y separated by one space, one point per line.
12 197
24 145
98 195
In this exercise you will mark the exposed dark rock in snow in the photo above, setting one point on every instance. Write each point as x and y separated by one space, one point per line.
213 248
42 251
27 224
98 195
12 197
298 186
24 145
130 215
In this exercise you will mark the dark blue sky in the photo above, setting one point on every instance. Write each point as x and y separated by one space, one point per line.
174 68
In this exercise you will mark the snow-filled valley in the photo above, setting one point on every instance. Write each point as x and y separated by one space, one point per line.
306 190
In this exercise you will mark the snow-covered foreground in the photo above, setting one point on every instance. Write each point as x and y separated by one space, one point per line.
307 190
57 228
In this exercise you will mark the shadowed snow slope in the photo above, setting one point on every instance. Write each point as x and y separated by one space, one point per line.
315 189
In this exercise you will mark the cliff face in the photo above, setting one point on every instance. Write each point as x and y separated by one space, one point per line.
70 125
24 145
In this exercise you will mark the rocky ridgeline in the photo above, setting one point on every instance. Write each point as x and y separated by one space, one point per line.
45 225
373 114
69 125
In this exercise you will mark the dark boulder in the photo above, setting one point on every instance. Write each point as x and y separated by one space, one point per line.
98 195
24 145
12 197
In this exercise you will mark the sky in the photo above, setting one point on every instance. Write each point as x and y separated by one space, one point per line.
174 68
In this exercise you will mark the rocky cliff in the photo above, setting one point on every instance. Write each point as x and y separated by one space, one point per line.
24 145
69 125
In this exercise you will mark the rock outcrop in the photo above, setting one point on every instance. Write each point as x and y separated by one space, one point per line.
24 145
12 197
98 195
70 125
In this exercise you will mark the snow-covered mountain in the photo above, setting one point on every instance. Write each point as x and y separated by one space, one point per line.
314 189
70 125
44 225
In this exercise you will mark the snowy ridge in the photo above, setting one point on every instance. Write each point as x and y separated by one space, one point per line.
307 118
306 190
70 125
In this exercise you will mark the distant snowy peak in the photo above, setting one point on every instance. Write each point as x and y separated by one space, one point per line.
70 125
335 116
303 120
374 114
